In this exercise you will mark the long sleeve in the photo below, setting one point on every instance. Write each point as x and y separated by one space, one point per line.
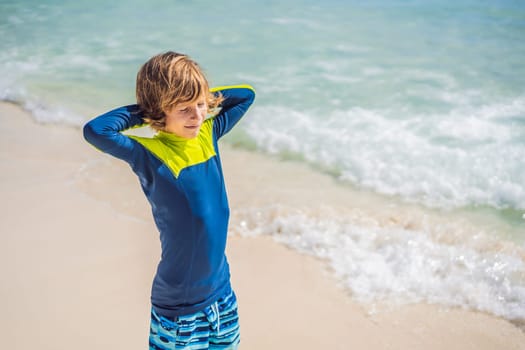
237 100
183 181
104 132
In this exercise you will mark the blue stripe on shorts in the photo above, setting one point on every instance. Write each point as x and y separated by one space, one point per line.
215 327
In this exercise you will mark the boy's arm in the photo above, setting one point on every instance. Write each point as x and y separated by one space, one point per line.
237 100
104 132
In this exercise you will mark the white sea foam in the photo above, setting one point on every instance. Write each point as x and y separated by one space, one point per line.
350 49
470 156
42 112
435 263
56 115
83 62
289 21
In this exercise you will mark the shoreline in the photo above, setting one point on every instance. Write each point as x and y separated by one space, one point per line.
80 245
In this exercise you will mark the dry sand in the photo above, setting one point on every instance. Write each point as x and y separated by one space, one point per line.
79 251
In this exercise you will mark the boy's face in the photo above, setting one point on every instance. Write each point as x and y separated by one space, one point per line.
185 119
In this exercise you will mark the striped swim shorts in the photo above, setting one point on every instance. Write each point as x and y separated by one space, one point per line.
215 327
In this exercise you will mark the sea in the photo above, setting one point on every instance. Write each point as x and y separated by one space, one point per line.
417 102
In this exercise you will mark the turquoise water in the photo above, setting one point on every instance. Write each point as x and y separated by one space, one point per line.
425 100
420 100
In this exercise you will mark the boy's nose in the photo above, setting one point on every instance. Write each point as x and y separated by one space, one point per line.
195 113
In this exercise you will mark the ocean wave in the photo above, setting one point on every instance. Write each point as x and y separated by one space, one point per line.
43 113
469 156
400 263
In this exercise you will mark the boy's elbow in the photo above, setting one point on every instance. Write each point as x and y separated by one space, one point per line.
249 93
88 132
91 133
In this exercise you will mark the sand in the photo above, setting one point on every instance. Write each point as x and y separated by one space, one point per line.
79 251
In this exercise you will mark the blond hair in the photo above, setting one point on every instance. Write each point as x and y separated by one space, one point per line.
168 79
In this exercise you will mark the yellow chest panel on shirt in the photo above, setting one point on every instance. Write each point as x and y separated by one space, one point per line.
179 153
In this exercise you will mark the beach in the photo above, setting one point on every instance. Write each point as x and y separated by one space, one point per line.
79 251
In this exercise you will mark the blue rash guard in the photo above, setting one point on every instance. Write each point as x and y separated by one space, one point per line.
183 181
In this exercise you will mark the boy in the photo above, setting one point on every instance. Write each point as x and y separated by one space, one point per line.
193 305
